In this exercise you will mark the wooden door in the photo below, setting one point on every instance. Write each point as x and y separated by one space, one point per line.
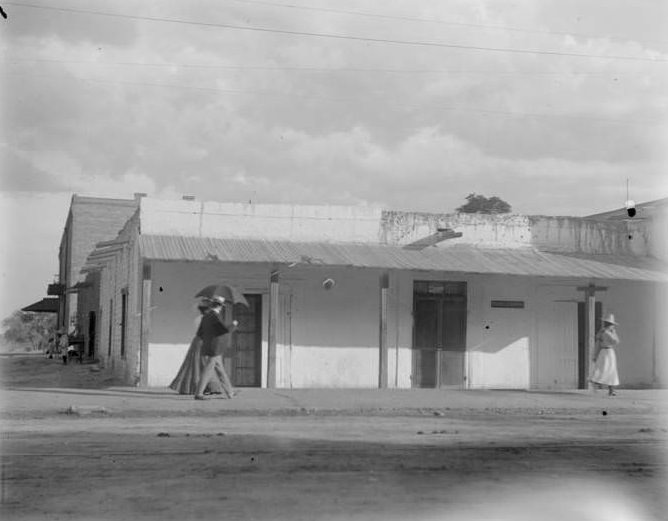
556 354
426 341
439 334
244 362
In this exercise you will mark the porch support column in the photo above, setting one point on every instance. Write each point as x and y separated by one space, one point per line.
271 332
590 326
382 361
145 324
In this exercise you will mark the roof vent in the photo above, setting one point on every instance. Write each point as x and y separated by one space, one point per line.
188 197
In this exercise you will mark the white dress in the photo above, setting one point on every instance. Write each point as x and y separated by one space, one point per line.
604 371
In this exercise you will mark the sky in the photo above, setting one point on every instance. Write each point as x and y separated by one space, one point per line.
404 104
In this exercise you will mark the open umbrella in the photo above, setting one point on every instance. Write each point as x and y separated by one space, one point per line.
229 293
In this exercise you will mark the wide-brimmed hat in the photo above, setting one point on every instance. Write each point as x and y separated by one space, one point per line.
610 319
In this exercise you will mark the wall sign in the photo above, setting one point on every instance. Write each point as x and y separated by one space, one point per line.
512 304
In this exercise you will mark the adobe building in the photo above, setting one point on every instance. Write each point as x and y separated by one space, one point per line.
361 297
89 221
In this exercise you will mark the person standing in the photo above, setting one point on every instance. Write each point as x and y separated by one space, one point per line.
604 371
64 344
214 331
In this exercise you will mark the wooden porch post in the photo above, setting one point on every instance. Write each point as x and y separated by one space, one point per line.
145 324
271 333
590 326
382 365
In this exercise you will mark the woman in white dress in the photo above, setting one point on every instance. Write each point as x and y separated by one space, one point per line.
604 372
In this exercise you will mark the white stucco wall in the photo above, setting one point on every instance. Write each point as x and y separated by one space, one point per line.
275 221
325 338
330 338
335 333
499 340
164 361
499 231
635 309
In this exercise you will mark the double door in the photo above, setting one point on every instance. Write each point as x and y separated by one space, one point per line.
439 334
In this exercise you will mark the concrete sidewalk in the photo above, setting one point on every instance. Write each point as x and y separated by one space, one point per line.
36 402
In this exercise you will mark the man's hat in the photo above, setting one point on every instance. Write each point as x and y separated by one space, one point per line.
610 319
216 299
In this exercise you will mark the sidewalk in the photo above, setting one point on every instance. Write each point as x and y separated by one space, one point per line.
34 402
34 387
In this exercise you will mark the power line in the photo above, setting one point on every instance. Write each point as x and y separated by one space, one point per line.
340 36
278 68
435 21
344 100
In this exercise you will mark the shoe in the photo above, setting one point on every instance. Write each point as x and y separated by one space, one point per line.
199 397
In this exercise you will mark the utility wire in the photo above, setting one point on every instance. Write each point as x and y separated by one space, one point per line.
342 100
436 21
340 36
277 68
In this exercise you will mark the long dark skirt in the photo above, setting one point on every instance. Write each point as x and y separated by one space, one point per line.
189 374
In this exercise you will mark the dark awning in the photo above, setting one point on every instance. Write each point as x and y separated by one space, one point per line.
46 305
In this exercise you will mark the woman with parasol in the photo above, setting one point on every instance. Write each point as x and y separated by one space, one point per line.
190 372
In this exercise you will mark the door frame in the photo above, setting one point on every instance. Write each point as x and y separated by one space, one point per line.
92 333
582 338
257 374
439 352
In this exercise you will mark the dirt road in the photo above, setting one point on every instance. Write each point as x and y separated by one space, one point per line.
461 464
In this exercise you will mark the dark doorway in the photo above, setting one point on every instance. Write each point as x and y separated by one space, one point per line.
582 339
439 333
111 324
244 363
92 319
124 320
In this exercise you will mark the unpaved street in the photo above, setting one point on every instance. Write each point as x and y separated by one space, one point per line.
457 464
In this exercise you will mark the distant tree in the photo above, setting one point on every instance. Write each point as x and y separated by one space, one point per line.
23 327
480 204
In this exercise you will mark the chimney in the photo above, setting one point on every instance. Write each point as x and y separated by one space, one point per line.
188 197
139 195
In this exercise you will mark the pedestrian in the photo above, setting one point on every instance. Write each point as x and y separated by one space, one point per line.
64 344
604 371
190 372
214 330
50 346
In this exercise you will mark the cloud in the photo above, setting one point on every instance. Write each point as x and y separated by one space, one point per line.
27 24
20 174
232 115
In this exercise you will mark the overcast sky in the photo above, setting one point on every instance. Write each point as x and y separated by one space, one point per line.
405 104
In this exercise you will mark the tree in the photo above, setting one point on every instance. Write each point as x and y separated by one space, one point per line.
481 204
23 327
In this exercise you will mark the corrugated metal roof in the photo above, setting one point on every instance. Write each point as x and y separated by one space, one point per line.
458 258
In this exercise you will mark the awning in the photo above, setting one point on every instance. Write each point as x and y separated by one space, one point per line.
455 258
46 305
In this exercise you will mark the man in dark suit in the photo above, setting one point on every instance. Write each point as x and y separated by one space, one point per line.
214 331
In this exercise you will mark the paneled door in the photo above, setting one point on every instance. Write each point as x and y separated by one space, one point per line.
244 361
